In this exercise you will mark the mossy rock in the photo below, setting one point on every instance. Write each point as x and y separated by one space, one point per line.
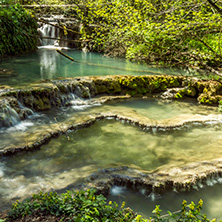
181 94
63 88
191 91
41 104
107 86
208 100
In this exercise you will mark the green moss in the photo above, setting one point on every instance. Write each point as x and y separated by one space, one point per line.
62 88
41 103
208 100
18 30
205 90
178 96
191 91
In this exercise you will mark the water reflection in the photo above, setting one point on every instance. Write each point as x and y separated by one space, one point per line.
46 63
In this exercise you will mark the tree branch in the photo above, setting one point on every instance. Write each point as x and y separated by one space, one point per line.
215 6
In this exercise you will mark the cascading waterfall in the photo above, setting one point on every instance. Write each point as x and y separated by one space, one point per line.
8 116
50 31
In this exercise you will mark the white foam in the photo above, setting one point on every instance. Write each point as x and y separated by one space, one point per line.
1 170
143 191
22 126
53 47
116 190
152 196
79 104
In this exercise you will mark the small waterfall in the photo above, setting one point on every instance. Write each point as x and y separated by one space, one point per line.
49 31
24 112
51 35
8 116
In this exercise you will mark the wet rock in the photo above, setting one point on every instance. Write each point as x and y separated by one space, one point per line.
7 73
25 112
57 93
173 93
191 176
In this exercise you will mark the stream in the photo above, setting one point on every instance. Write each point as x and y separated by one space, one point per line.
68 160
46 63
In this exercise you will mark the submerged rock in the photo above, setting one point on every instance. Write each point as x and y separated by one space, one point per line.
7 73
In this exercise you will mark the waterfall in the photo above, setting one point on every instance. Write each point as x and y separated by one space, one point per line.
50 34
8 117
50 31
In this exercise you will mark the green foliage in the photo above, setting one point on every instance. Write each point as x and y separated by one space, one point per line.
184 32
87 206
77 206
188 213
220 106
18 30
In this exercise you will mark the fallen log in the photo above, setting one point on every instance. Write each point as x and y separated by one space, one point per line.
62 53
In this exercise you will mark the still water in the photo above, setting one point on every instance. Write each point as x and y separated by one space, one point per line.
48 64
171 201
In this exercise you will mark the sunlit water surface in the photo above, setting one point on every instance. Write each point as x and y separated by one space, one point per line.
48 64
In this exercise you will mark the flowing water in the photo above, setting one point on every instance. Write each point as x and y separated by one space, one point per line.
48 64
69 159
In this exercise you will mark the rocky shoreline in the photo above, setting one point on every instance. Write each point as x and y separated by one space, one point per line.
48 95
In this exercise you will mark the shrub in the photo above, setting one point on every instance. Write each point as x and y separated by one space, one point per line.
18 30
87 206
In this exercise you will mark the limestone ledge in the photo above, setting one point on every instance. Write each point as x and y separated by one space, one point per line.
188 177
57 93
21 102
34 138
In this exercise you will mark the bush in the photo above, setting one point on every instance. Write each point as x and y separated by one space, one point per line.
18 30
77 206
87 206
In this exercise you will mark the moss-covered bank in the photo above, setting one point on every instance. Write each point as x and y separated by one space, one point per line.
56 93
18 30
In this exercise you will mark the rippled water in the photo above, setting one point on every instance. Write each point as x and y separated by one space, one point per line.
48 64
